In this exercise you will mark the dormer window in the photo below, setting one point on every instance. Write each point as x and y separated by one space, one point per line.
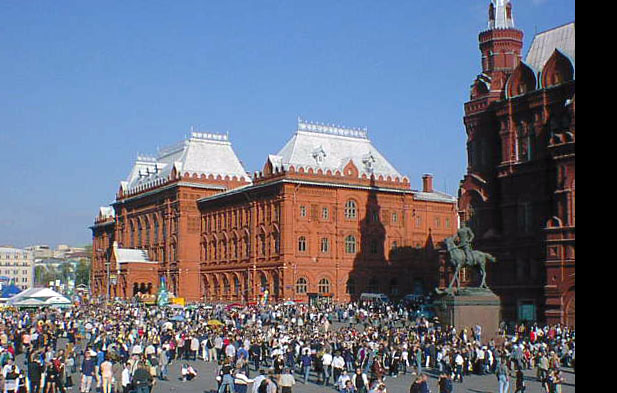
369 161
319 155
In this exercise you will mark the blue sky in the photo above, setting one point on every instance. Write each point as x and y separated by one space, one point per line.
86 85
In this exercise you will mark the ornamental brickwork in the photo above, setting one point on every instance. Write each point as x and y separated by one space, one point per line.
327 218
518 194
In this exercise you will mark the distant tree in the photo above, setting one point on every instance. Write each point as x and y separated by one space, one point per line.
82 273
65 272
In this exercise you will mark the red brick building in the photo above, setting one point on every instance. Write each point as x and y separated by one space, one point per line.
518 194
327 217
156 211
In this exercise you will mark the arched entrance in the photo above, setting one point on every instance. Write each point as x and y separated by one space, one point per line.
570 320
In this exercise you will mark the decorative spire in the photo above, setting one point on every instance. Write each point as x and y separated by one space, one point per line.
500 15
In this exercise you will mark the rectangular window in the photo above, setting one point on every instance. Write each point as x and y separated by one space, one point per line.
302 211
394 217
325 213
325 245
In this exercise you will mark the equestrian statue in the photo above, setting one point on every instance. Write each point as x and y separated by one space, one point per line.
461 254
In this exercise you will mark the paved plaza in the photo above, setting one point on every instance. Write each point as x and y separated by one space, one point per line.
205 382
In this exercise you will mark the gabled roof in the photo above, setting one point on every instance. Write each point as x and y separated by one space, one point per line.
201 154
545 43
329 147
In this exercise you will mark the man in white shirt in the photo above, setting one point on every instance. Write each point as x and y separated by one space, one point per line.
458 360
338 364
230 351
326 361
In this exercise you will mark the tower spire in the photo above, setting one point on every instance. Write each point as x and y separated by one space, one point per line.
500 15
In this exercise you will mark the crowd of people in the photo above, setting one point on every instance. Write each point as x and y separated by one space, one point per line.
350 348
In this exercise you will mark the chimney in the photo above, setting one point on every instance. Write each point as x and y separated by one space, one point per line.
427 183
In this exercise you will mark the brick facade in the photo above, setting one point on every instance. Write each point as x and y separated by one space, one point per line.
298 231
518 193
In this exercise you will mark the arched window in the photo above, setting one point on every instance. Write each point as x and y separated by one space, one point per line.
323 286
394 290
350 209
132 233
374 246
350 244
372 285
351 286
302 244
147 223
156 229
301 285
277 242
262 244
247 246
138 233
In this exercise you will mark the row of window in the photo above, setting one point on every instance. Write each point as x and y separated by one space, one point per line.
302 285
16 272
324 287
14 256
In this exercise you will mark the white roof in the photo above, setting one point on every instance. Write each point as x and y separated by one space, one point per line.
125 255
545 43
201 154
107 212
435 196
329 147
34 296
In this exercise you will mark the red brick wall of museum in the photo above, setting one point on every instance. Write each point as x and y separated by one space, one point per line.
518 193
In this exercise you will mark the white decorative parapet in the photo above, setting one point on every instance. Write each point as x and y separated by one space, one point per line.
211 136
331 129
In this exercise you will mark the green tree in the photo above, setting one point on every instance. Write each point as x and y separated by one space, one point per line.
82 273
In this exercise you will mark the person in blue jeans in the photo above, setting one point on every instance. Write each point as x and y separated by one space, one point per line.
306 365
226 378
503 377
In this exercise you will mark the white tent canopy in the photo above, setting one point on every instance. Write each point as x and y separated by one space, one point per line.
34 297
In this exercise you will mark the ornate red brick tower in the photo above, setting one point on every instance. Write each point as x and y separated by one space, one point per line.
501 46
518 193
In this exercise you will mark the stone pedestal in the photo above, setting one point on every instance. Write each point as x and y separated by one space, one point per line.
468 308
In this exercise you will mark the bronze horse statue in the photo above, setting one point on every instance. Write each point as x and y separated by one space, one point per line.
458 260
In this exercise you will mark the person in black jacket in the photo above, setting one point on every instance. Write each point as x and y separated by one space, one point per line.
142 379
445 384
35 369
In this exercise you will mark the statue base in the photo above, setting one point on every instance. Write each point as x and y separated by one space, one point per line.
468 307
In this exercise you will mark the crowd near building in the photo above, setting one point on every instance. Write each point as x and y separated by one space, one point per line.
16 266
518 194
328 217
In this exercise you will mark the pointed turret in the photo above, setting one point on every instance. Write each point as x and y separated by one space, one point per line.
501 46
500 15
